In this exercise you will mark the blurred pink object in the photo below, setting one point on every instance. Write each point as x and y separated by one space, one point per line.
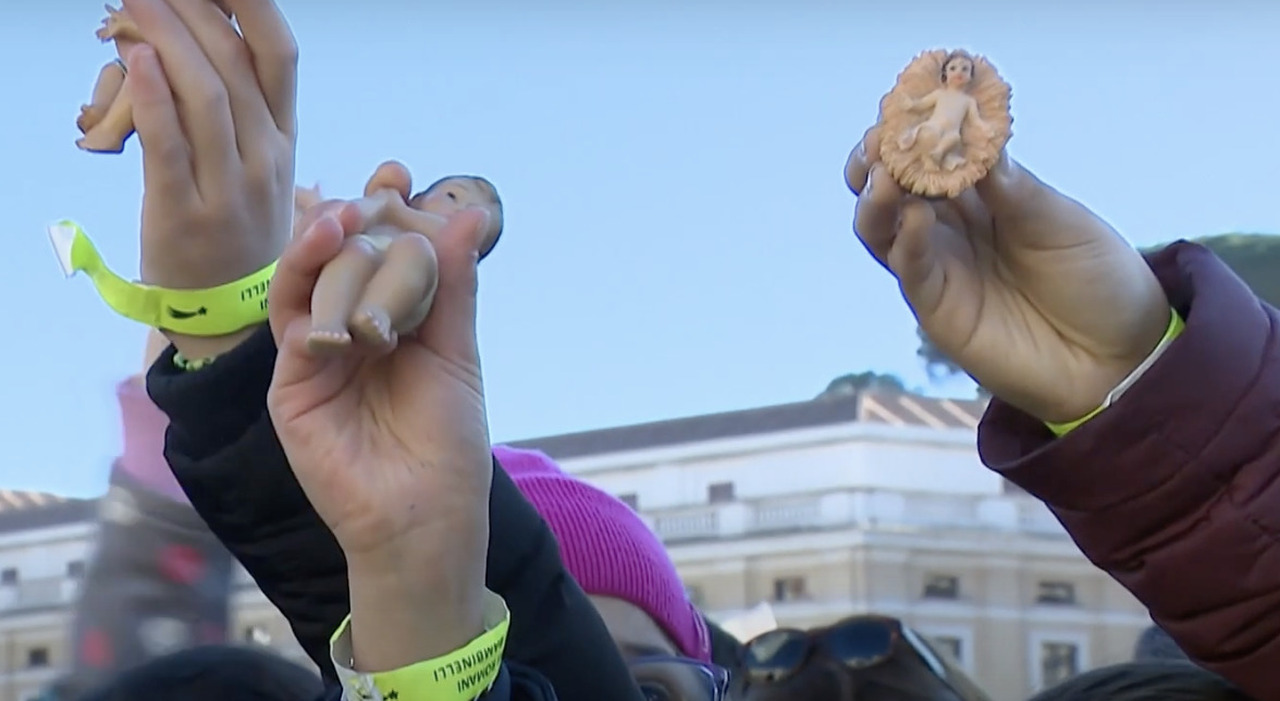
144 425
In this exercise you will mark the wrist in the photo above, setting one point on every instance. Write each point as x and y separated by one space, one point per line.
405 612
202 347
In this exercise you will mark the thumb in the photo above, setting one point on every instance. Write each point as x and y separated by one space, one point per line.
1009 187
450 328
390 175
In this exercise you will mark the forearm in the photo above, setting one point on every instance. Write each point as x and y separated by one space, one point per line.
223 450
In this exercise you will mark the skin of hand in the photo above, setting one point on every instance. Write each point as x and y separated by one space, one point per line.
215 111
392 450
1035 296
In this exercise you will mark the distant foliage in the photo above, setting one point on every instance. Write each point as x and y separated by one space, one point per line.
1254 257
853 383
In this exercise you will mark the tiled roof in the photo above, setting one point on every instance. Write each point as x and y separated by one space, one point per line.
20 511
26 510
880 407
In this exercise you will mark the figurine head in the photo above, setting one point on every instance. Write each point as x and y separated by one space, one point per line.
454 193
957 70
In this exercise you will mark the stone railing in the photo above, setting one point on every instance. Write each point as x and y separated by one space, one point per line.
35 594
874 510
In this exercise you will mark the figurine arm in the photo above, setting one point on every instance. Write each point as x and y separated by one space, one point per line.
975 118
927 102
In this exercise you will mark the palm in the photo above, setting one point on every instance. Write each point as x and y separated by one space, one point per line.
371 432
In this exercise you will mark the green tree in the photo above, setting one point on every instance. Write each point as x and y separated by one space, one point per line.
856 382
1254 257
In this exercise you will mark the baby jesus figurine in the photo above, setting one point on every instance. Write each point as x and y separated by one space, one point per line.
107 121
945 123
383 281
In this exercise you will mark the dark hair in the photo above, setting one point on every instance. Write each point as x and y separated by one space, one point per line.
1145 681
213 672
489 188
1155 644
955 56
726 650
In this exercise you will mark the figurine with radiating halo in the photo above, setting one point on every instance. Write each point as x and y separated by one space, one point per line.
945 123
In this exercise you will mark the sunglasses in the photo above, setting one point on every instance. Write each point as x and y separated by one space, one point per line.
860 642
663 678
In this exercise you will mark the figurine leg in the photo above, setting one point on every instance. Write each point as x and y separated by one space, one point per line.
109 135
908 138
944 152
105 90
338 289
400 293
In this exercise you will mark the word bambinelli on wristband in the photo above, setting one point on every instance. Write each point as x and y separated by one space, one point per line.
462 675
215 311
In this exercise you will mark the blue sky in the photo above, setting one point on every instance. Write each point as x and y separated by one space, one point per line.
678 234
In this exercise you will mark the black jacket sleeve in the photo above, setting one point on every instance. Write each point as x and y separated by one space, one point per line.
224 451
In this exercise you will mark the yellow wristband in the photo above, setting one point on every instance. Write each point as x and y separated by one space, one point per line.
1174 330
216 311
462 675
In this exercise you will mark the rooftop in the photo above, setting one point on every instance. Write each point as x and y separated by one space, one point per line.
21 511
879 407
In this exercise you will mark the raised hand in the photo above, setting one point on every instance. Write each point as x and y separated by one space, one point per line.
392 451
214 110
1039 299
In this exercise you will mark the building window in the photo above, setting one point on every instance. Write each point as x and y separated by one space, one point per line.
631 499
951 646
38 657
1011 489
9 575
257 635
1058 662
1057 593
695 594
75 569
790 589
720 492
942 586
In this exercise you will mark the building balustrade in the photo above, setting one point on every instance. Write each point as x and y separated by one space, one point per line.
38 593
871 510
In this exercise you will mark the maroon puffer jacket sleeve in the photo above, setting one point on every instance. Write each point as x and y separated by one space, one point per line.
1175 489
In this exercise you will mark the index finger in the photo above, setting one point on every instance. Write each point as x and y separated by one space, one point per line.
864 155
275 58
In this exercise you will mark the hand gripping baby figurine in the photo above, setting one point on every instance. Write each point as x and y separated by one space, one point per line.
107 121
945 123
383 281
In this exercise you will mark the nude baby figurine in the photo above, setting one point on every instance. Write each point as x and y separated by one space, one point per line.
383 281
945 123
107 121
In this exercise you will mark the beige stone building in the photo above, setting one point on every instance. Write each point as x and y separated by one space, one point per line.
867 503
870 502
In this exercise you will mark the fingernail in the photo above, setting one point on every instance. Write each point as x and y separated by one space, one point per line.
871 177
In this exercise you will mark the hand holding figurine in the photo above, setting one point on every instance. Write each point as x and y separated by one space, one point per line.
1037 297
